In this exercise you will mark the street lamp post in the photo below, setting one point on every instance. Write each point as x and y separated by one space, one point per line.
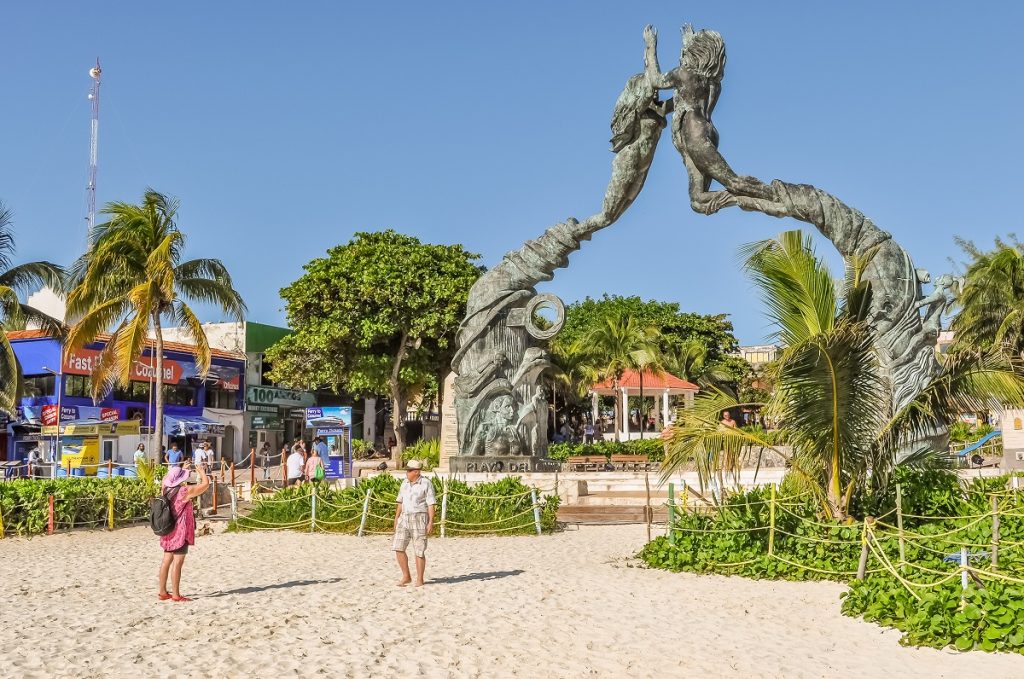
59 376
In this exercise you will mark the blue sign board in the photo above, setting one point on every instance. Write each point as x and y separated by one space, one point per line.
335 424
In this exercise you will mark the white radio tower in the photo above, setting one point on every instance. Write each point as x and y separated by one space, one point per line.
94 130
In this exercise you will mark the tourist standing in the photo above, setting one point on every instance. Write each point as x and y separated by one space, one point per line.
140 454
727 420
176 543
320 446
295 465
414 520
173 457
588 432
314 464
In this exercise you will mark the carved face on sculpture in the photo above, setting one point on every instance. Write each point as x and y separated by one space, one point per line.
502 410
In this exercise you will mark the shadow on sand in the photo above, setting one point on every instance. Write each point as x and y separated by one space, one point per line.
255 589
493 575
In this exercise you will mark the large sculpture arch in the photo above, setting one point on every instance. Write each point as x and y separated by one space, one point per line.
500 406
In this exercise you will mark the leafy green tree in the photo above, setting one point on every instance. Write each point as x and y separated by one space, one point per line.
378 315
17 280
131 281
680 334
830 394
618 344
992 300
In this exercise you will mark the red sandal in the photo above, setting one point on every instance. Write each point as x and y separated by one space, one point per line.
180 598
164 597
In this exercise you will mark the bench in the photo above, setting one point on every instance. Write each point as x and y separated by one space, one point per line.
598 462
631 462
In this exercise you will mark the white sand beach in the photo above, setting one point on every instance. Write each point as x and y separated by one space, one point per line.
568 605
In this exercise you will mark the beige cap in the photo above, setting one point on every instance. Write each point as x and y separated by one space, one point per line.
414 464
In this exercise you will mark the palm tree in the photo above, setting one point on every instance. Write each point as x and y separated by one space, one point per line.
992 299
618 344
131 280
15 281
573 372
830 393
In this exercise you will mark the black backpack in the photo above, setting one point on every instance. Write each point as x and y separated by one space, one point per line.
161 515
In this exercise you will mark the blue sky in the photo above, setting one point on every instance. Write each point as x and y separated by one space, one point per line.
284 128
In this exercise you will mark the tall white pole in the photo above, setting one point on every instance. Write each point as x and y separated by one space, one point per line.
94 131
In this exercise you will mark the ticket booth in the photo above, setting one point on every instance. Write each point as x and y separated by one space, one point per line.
334 425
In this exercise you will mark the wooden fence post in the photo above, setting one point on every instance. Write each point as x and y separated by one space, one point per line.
312 510
214 494
284 472
110 510
862 565
252 475
444 505
995 532
366 511
648 512
771 522
1 522
536 509
110 469
671 513
49 521
899 528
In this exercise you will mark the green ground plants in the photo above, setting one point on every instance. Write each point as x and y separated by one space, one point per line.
921 597
78 503
652 448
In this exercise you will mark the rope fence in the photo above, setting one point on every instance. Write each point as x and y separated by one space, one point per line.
883 543
372 513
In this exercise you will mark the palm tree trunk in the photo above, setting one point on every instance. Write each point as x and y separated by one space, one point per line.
158 382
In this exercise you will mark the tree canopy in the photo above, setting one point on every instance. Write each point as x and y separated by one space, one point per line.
677 329
377 315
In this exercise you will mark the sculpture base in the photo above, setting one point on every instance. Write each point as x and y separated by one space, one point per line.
495 464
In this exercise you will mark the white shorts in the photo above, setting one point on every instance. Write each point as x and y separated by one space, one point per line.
411 528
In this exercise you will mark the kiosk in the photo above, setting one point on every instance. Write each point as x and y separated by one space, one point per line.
334 425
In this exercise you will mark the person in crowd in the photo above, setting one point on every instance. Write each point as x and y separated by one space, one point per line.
173 458
314 463
176 543
35 458
588 432
727 420
414 520
140 454
264 453
320 446
295 466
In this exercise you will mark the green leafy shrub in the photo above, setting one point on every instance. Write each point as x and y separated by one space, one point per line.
79 502
502 507
361 448
940 515
652 448
427 451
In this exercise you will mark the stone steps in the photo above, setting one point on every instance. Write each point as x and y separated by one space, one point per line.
607 514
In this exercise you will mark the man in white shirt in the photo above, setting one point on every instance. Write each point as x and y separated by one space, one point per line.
414 519
295 464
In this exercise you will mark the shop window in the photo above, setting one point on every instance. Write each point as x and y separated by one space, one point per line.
135 391
77 385
179 395
221 398
40 385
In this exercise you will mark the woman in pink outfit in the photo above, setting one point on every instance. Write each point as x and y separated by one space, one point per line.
175 544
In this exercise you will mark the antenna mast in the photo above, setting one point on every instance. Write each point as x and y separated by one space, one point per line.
94 129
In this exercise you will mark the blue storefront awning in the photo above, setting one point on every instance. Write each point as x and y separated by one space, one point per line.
188 425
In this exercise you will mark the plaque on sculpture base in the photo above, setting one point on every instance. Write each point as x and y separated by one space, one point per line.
498 464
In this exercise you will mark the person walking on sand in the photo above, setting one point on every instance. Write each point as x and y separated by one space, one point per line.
414 520
176 543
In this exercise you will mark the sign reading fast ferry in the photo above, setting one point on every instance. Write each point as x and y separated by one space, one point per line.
85 361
